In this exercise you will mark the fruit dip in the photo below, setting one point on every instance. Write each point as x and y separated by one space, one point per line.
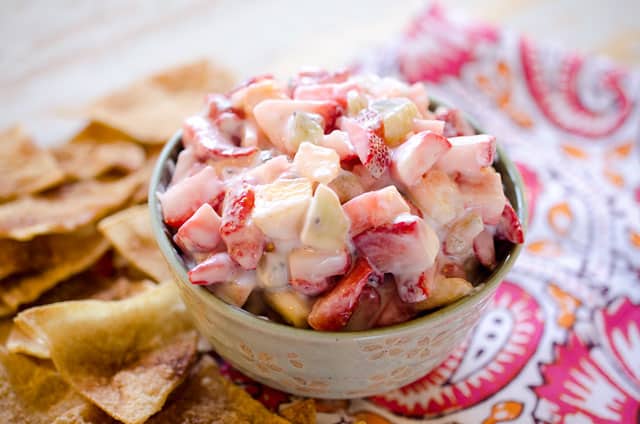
336 201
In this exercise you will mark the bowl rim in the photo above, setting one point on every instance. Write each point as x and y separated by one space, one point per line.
270 327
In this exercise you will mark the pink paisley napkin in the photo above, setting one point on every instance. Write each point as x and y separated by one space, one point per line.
561 342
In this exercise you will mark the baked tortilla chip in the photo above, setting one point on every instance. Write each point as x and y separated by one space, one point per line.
83 249
21 342
300 412
31 392
66 208
25 168
130 233
125 356
152 110
96 150
207 397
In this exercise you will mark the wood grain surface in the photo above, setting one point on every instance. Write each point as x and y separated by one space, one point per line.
59 54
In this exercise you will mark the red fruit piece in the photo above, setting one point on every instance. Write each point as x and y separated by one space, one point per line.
415 288
331 312
208 142
332 91
416 156
455 123
218 268
484 249
405 247
394 310
182 199
468 155
367 310
248 82
310 269
244 240
217 104
509 226
201 232
186 165
374 208
370 147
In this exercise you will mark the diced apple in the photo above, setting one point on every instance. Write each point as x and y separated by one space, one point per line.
236 292
270 170
406 246
485 195
310 269
281 207
273 270
468 155
244 240
182 199
445 291
339 141
394 310
292 306
455 123
329 91
484 249
316 163
332 311
371 183
346 186
369 146
301 127
509 226
367 310
432 125
325 226
416 156
208 142
273 116
460 238
248 97
437 196
217 268
199 233
374 208
186 165
397 116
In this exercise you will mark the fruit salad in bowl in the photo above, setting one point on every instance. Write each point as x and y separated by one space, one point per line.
336 201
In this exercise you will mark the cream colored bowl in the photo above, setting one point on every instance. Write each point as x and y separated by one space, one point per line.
328 364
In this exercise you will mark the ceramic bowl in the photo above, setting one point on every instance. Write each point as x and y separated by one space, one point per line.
329 364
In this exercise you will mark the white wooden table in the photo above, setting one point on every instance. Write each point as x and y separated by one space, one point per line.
58 54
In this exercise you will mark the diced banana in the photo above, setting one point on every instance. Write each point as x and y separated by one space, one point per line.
445 291
273 270
398 115
280 207
301 127
317 163
293 307
326 225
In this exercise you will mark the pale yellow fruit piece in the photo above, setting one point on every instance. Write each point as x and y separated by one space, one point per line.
398 115
273 270
303 126
445 291
317 163
293 307
356 101
326 225
281 206
346 185
437 196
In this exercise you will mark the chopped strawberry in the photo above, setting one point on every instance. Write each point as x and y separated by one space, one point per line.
394 310
484 194
246 99
218 268
432 125
201 232
417 155
484 249
417 93
414 288
217 104
406 246
182 199
369 146
329 91
273 116
208 142
367 310
509 226
244 240
462 233
455 123
187 164
368 182
468 155
451 267
310 269
246 83
374 209
270 170
331 312
437 196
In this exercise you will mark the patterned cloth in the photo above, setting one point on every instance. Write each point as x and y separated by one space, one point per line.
561 343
